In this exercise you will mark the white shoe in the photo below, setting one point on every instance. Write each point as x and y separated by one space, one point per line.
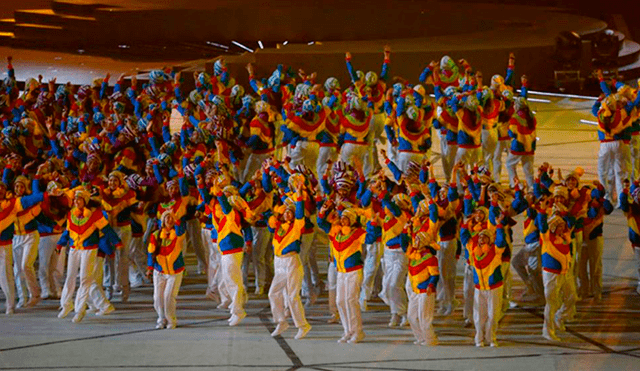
404 322
356 338
551 337
344 338
479 345
64 312
335 318
161 325
395 320
259 291
282 327
20 304
78 317
9 311
171 326
303 331
236 319
106 311
224 305
494 344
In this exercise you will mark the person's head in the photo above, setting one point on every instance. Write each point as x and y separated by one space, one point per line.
81 198
560 195
348 218
168 219
21 186
173 188
93 163
288 215
480 214
573 179
483 239
557 225
116 180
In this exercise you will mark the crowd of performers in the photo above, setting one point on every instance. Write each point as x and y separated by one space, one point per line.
95 181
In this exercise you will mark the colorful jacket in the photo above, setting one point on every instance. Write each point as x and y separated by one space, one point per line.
287 236
85 228
556 250
487 267
423 270
164 253
9 209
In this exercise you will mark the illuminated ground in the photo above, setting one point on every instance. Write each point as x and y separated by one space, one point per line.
606 335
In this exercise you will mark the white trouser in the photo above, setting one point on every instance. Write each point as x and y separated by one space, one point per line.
634 157
137 260
304 153
325 153
25 252
613 156
213 270
194 239
486 314
420 315
46 265
231 270
392 152
372 259
447 266
332 286
261 239
349 151
83 262
308 248
404 158
348 288
577 260
98 300
489 145
254 163
117 268
285 289
506 287
556 286
501 147
468 156
468 292
7 283
165 291
525 263
527 168
395 274
449 153
591 257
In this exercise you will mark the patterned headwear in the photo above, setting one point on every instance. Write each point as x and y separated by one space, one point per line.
496 82
83 194
343 180
133 181
554 221
520 102
218 67
331 84
351 214
295 180
488 232
636 195
371 78
412 113
561 191
22 179
120 176
402 200
576 174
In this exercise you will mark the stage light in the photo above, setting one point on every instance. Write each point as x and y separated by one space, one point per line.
241 46
285 43
260 44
